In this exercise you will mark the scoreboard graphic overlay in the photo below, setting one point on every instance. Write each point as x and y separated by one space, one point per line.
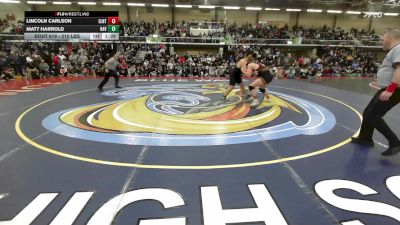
71 26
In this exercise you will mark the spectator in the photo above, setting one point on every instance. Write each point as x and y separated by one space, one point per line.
44 68
63 71
145 60
56 63
32 71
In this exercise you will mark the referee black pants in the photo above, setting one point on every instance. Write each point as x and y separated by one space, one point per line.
107 76
373 118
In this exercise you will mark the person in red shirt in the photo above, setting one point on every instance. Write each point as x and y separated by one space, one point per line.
182 59
123 66
56 64
301 60
69 48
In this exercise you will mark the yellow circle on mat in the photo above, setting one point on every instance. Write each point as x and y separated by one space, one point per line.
176 167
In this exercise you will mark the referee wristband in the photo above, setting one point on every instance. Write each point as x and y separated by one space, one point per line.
392 87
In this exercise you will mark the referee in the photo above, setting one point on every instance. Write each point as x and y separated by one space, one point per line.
111 70
385 99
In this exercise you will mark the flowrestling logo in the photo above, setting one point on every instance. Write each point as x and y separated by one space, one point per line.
189 115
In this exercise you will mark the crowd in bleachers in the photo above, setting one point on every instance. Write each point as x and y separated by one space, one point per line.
349 61
18 28
363 34
221 29
4 24
182 29
258 31
11 28
327 33
329 62
56 59
322 33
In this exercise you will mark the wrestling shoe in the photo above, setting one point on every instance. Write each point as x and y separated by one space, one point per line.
255 103
360 141
391 151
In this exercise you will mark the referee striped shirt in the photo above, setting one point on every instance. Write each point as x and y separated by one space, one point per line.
388 67
112 64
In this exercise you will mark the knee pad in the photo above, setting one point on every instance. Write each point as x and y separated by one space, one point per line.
251 88
262 90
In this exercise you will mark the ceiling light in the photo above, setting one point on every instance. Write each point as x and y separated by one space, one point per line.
9 1
272 9
293 10
160 5
206 7
111 3
36 2
136 4
353 12
391 14
231 7
253 8
334 11
86 3
314 10
183 6
62 3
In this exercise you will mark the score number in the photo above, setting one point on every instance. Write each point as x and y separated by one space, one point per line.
113 20
113 24
113 29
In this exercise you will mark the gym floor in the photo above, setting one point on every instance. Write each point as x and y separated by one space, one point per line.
170 152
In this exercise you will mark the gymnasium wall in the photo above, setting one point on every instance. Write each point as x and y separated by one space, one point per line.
316 19
239 16
348 21
17 9
277 18
380 25
149 14
194 15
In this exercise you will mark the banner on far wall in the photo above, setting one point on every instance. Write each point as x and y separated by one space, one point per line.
154 39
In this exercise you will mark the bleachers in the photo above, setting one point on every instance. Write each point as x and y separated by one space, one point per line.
227 34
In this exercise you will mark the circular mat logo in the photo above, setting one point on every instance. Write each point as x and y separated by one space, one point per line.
187 126
189 115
